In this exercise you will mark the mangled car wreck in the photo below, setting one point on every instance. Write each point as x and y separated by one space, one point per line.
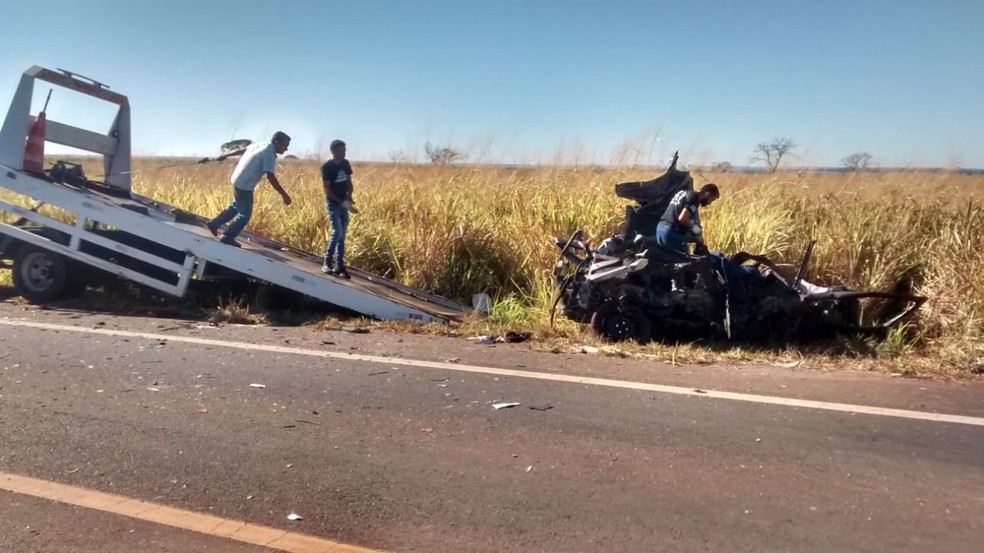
632 288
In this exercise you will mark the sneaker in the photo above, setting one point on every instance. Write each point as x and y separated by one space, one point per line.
327 268
341 272
212 228
230 242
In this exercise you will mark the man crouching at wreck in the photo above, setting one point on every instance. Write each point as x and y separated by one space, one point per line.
680 223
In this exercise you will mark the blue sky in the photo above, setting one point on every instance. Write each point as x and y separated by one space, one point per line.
525 81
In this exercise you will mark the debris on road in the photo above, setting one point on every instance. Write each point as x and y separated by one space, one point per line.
257 385
355 329
378 373
582 349
510 337
294 516
541 407
427 430
454 360
505 404
529 468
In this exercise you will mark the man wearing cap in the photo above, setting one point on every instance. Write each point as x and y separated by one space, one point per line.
680 223
258 160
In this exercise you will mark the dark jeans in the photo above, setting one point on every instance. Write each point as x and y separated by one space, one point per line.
671 236
339 217
241 208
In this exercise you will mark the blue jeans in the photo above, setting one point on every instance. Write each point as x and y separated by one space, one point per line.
671 236
241 208
339 217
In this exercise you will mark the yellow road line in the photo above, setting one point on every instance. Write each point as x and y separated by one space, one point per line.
246 532
586 380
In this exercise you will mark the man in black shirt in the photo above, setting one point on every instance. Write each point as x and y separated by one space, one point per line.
336 177
680 223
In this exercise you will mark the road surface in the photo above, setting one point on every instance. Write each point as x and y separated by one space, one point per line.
141 434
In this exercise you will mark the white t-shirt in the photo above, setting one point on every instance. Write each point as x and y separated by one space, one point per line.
257 160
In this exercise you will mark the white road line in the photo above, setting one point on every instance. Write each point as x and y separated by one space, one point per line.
659 388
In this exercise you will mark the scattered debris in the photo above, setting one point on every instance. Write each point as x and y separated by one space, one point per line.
378 373
308 422
428 430
355 329
257 385
505 404
510 336
529 468
699 391
202 411
481 302
153 389
582 349
790 365
454 360
294 516
541 407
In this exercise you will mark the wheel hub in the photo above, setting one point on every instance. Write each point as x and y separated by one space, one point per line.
619 327
37 272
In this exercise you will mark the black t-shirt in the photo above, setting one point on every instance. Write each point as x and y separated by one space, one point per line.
337 175
682 200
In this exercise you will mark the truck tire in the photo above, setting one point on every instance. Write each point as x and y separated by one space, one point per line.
40 275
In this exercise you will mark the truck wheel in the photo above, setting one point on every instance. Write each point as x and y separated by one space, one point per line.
616 325
39 275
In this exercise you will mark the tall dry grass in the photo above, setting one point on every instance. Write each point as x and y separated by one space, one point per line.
457 230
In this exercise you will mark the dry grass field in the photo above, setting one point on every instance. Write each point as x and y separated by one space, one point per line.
457 230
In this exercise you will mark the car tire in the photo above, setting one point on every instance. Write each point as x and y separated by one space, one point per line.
613 324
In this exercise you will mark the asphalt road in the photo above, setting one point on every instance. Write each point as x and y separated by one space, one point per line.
415 458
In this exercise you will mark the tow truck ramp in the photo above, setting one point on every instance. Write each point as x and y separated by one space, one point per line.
106 226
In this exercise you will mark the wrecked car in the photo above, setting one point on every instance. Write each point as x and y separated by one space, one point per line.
632 288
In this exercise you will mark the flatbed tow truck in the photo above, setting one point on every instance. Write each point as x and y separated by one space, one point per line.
105 227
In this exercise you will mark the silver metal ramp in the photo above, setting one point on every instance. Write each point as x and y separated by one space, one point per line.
106 226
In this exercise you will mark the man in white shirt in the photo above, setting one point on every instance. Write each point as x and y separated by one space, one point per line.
258 160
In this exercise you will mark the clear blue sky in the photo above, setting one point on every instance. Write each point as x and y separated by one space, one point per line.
519 81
